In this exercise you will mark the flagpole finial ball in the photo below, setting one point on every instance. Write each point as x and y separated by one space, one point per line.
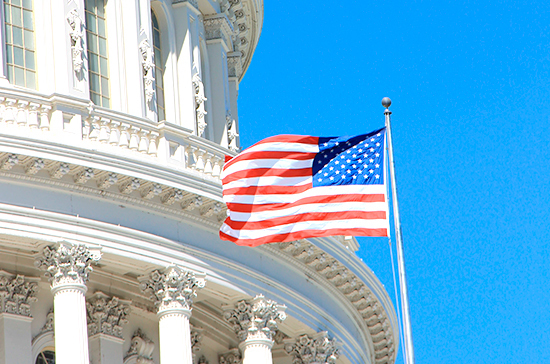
386 102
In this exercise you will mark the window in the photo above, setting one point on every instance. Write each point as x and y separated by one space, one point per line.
20 42
97 52
46 357
158 69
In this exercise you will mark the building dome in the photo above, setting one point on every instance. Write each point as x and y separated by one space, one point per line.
115 120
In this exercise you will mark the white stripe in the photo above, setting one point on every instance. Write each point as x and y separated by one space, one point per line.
315 191
282 147
268 181
305 225
308 208
266 163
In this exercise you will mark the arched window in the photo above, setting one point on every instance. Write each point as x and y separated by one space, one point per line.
18 17
158 69
98 68
46 356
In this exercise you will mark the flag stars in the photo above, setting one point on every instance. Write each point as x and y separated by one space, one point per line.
377 155
377 165
371 171
371 150
371 160
377 176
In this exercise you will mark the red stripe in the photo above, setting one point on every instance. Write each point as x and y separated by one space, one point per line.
312 216
299 156
279 238
267 172
240 207
267 190
302 139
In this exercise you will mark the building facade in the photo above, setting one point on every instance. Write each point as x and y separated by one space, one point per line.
115 118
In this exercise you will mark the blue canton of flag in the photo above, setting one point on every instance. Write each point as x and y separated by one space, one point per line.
356 160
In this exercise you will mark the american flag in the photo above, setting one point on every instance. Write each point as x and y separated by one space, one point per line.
291 187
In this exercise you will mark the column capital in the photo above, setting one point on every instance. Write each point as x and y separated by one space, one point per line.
318 349
141 347
67 265
106 315
233 356
172 290
255 320
17 292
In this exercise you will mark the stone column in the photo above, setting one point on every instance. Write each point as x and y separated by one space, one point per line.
255 323
16 295
67 267
106 315
318 349
173 292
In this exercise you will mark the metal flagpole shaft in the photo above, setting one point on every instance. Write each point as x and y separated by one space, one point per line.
407 332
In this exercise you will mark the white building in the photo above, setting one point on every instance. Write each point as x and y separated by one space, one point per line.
115 116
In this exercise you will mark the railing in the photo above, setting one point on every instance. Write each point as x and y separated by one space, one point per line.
68 120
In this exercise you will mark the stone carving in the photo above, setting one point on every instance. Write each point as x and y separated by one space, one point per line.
106 315
77 35
196 338
231 132
142 347
49 324
202 360
148 65
233 356
255 319
67 263
17 293
173 289
199 104
318 349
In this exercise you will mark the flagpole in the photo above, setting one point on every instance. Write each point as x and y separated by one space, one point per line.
407 331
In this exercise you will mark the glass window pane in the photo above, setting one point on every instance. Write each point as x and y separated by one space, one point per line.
94 82
31 79
94 65
158 78
103 46
16 16
103 65
101 27
29 60
29 40
96 98
27 4
100 8
17 36
92 43
160 99
8 34
27 20
7 13
104 86
19 76
18 56
9 54
10 73
156 39
105 102
16 2
90 23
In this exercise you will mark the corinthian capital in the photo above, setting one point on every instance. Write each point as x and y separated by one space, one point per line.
175 288
255 319
318 349
67 264
106 315
17 293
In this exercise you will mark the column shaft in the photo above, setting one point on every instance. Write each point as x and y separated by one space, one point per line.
257 351
175 338
71 335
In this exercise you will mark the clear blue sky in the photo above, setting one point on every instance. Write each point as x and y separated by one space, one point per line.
470 85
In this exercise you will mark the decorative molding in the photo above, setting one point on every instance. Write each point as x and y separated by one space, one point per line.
106 315
193 3
77 36
148 65
17 292
318 349
255 319
196 340
141 347
202 360
218 26
175 288
233 356
234 64
200 99
49 324
231 132
66 264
